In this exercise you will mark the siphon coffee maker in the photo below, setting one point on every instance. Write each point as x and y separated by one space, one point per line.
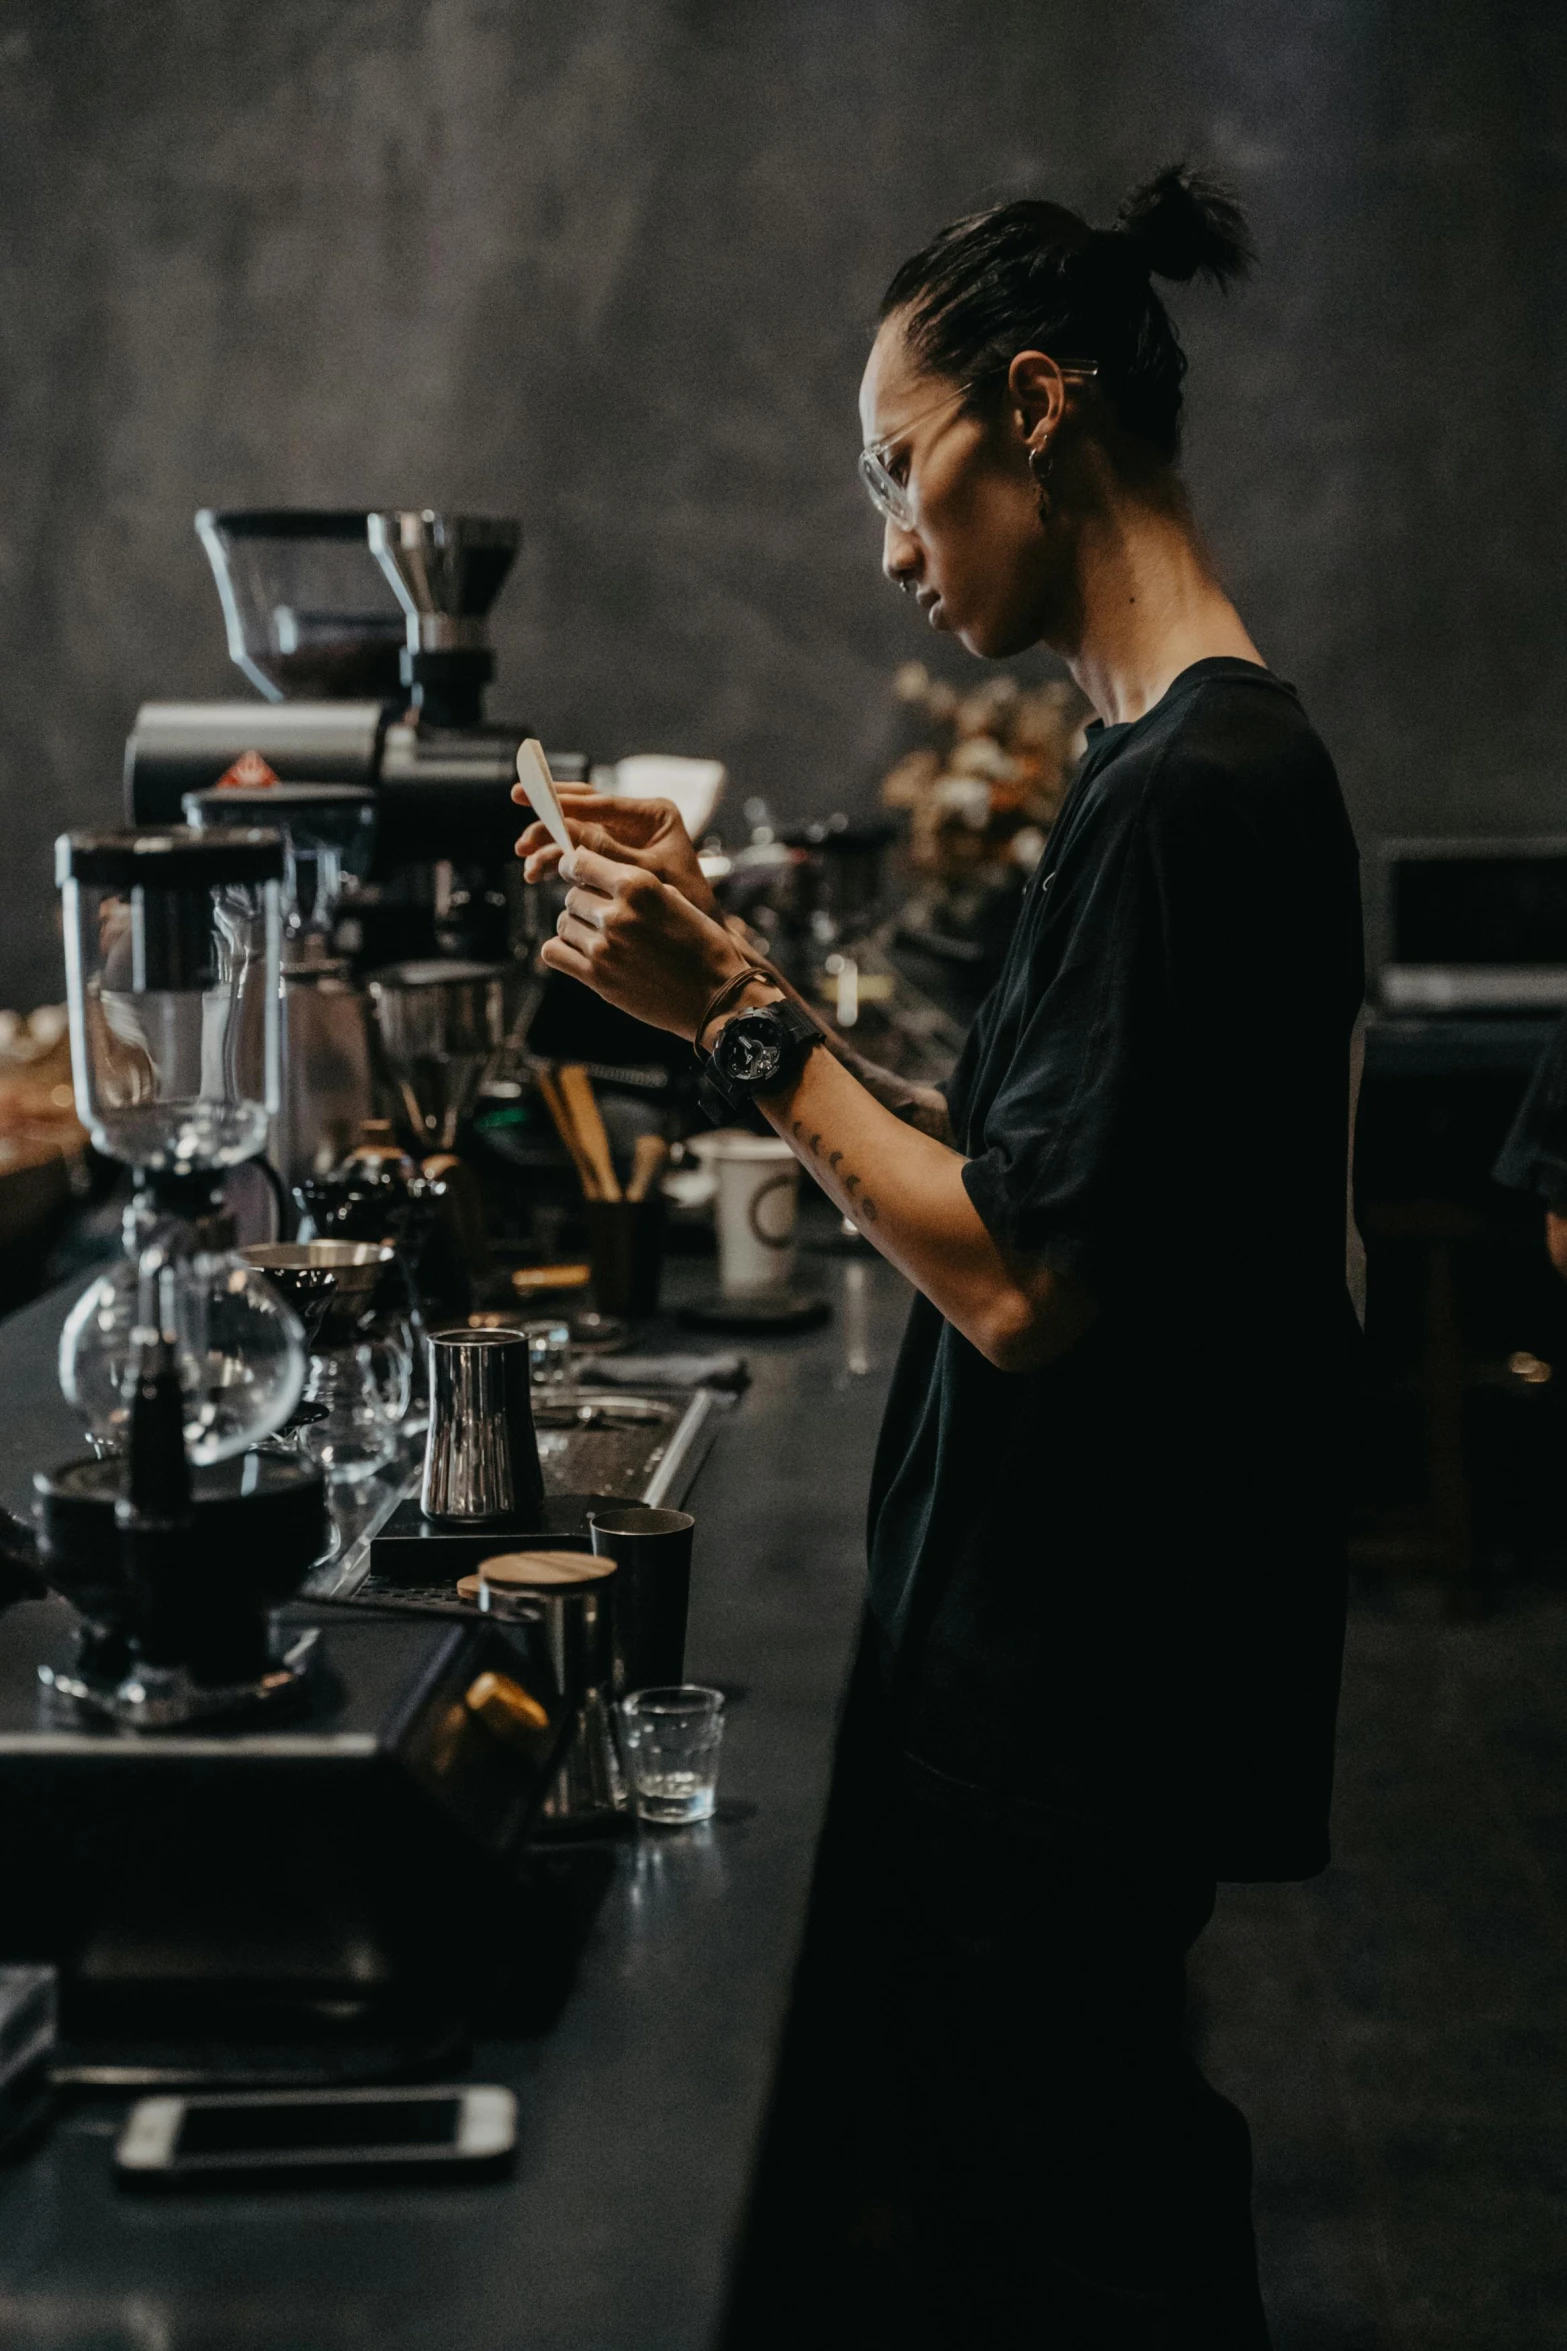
172 944
178 1538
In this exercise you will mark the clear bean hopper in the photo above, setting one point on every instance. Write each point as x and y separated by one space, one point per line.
309 613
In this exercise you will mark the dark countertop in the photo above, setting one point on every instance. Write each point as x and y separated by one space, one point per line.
641 2110
1405 1045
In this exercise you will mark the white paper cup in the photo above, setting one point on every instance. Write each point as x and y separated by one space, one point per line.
755 1207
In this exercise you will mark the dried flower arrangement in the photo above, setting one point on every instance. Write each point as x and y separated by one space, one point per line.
985 794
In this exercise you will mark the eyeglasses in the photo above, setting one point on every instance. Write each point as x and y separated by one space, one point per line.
897 500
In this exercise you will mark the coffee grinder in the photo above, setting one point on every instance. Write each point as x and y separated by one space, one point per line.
367 637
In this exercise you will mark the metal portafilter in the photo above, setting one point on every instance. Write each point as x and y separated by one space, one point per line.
481 1459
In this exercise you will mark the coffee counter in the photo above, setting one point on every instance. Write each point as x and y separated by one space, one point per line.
642 2107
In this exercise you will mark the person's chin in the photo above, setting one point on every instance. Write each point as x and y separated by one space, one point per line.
995 638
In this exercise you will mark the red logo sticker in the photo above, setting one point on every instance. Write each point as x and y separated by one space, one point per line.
249 773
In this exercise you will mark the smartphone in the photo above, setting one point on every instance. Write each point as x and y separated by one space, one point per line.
457 2133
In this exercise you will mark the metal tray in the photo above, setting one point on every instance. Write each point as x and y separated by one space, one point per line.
642 1448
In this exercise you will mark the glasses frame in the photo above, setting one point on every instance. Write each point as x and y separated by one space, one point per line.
895 500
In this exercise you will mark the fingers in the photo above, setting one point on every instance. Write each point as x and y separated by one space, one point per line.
561 956
579 796
585 939
541 855
534 844
537 864
610 876
588 908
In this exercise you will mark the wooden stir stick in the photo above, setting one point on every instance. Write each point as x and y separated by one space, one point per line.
646 1165
577 1092
565 1127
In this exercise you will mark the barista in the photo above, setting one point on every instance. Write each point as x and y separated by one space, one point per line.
1107 1513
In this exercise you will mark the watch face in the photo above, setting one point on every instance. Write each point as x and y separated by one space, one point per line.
749 1057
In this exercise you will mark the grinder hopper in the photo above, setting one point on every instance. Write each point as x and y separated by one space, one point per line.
306 608
446 571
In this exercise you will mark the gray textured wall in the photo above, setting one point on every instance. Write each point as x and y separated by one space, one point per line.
610 264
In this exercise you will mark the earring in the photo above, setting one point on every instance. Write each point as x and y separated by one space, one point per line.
1040 462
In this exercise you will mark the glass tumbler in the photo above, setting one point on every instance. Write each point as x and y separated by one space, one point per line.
353 1437
669 1741
549 1351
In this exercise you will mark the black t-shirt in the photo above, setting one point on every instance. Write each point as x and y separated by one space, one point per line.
1534 1156
1115 1587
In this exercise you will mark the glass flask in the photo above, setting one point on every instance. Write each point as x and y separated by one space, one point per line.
241 1351
172 963
355 1434
390 1349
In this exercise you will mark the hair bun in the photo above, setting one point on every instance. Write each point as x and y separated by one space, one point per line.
1185 226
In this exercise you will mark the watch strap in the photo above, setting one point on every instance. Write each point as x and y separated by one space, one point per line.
799 1031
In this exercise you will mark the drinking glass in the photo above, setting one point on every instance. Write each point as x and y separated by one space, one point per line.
549 1345
353 1438
669 1741
389 1353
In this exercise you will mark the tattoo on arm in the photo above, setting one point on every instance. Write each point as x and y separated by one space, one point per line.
864 1206
918 1106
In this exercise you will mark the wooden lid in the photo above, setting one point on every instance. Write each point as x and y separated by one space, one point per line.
537 1571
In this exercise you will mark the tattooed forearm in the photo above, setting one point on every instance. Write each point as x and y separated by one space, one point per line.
918 1106
849 1185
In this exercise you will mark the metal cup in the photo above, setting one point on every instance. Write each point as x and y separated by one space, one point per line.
481 1457
574 1598
652 1550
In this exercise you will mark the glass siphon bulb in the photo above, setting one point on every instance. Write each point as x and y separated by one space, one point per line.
241 1349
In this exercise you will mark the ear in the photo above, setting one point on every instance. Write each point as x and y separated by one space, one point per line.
1036 392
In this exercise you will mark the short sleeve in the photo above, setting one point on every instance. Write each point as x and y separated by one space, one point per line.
1534 1156
1053 1167
1124 1080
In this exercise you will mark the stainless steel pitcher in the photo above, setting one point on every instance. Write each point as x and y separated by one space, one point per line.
481 1458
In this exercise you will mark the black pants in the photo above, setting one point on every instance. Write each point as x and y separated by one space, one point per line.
988 2130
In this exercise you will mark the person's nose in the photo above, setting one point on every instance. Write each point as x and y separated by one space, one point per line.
901 556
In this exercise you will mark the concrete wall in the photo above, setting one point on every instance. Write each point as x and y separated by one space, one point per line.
610 264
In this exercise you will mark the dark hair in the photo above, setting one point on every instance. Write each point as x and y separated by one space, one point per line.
1034 273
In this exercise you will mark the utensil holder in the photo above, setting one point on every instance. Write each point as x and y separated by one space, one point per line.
626 1244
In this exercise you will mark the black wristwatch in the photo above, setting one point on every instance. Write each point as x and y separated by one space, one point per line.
755 1052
